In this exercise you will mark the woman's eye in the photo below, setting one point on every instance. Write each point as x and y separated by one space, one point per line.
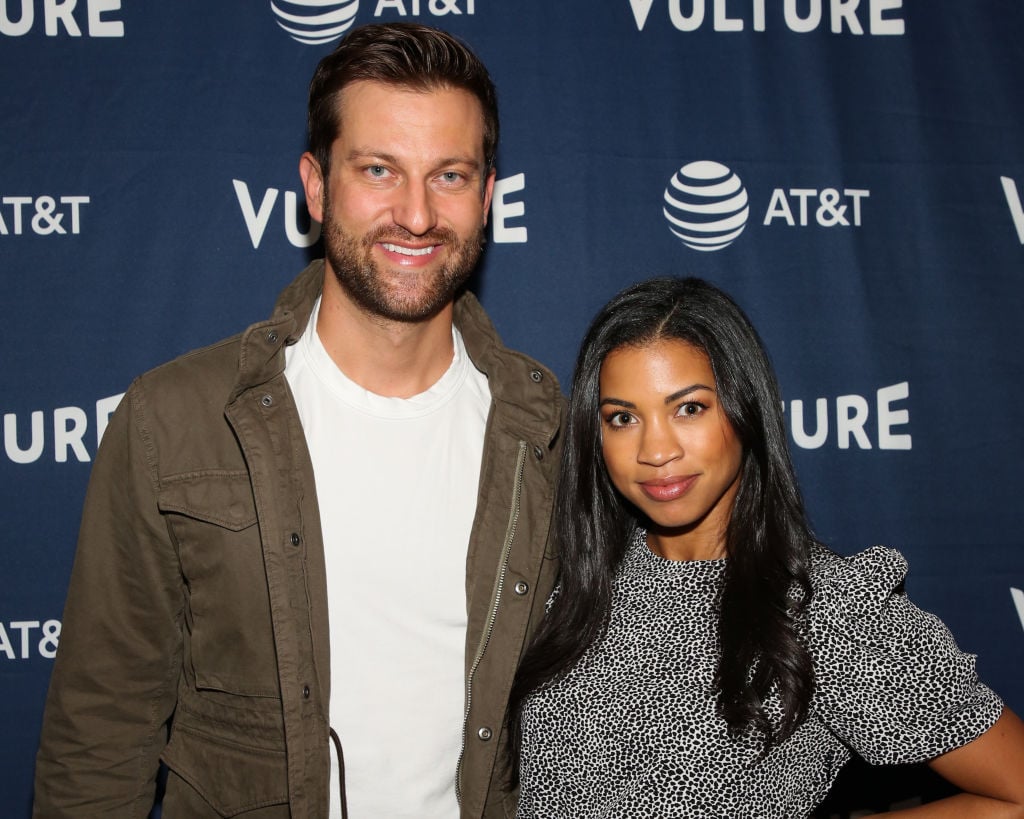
691 408
620 419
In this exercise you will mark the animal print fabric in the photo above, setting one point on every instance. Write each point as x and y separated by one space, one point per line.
631 730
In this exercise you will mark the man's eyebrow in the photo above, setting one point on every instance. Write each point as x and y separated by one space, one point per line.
369 154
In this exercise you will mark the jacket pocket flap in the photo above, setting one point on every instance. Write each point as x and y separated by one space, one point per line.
220 497
231 776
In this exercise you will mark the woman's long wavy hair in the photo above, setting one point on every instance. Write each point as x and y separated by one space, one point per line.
768 540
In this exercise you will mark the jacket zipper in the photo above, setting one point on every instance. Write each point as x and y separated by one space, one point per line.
499 585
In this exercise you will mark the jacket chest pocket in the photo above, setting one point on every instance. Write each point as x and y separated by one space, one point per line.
229 639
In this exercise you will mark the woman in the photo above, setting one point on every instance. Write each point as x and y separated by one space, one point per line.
703 655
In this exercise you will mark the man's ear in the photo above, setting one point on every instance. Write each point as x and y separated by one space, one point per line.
313 185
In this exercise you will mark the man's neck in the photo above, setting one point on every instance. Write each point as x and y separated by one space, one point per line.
395 359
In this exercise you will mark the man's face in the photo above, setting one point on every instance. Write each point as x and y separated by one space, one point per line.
405 207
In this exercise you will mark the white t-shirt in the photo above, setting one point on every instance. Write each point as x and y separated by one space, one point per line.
397 483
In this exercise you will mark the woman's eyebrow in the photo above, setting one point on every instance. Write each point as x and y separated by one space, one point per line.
692 388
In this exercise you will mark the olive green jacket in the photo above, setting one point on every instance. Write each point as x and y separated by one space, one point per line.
195 630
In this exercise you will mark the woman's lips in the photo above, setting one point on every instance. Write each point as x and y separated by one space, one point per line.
668 489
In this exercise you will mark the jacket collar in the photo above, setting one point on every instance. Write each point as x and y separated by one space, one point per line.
262 346
526 393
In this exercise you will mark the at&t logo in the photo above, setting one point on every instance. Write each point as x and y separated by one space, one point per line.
707 206
830 207
42 215
315 22
25 639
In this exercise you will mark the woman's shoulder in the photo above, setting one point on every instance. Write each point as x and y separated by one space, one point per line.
875 573
863 596
860 604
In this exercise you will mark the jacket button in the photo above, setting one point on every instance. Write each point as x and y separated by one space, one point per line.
305 692
537 376
272 336
484 733
538 453
267 400
522 587
295 539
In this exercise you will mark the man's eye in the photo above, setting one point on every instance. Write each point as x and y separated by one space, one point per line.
377 170
451 177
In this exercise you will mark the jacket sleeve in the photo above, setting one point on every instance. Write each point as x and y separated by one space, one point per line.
113 686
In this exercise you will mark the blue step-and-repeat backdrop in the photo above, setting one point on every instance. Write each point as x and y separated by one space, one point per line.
872 150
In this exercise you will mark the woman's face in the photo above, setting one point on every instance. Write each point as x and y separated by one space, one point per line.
668 446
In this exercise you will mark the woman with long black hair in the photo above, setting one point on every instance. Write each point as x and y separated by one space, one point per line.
703 654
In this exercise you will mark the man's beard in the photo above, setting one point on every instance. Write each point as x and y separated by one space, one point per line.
360 276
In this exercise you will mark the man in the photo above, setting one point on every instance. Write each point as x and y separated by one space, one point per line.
334 526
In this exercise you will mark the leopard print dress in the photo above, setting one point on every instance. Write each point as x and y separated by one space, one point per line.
631 730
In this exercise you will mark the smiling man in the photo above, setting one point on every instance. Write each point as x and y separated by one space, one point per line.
311 554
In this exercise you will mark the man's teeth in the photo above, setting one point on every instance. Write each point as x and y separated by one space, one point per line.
408 251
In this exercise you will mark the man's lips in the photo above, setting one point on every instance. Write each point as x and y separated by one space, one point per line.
668 489
411 256
404 250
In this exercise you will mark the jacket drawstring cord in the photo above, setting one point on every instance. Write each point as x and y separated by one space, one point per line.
341 774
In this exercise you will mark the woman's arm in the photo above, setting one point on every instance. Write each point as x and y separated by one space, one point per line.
990 771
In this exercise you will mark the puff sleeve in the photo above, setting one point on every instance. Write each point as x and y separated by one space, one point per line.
890 681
